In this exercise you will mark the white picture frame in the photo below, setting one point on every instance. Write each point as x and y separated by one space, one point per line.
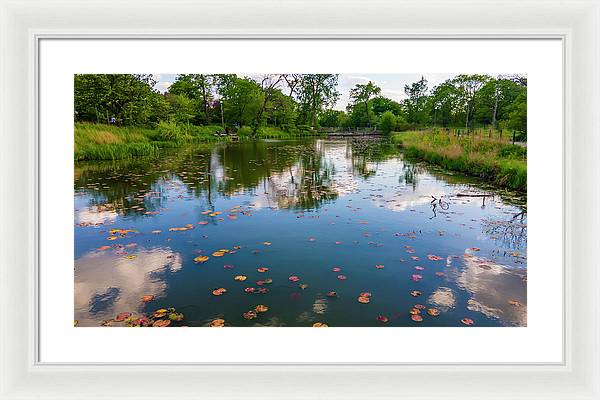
25 23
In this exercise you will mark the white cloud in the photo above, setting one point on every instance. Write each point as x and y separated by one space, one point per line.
163 86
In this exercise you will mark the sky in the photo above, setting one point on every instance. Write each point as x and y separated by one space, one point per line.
392 85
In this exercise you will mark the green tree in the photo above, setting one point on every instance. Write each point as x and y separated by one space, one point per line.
381 104
198 87
387 122
332 118
442 104
281 109
268 86
182 108
517 116
416 104
316 92
128 98
467 87
361 94
241 99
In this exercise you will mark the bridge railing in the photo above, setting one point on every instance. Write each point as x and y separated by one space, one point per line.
356 131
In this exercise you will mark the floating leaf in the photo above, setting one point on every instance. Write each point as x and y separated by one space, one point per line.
141 321
249 290
240 277
267 243
382 318
342 277
416 318
159 313
416 277
203 223
434 312
131 257
467 321
365 294
515 303
122 316
217 323
261 308
102 248
336 269
320 325
176 316
303 286
331 294
161 323
293 278
75 323
474 248
201 259
219 291
148 297
218 254
434 257
249 315
415 293
112 237
363 299
262 269
379 266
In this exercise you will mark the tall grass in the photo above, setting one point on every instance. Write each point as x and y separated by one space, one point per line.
108 142
116 151
495 160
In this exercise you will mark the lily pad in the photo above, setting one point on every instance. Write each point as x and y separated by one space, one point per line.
161 323
122 316
217 323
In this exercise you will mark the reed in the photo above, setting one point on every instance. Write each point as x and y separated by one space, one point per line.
495 160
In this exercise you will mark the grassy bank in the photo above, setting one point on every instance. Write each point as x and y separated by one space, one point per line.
497 161
109 142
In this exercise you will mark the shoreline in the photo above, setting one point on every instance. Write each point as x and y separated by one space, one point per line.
496 162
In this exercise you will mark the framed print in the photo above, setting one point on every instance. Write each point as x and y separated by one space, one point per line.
413 185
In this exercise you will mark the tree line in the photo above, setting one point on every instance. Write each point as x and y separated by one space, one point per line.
304 101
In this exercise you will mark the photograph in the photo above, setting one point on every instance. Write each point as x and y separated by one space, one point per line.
300 200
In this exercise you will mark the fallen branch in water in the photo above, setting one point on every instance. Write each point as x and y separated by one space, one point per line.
473 195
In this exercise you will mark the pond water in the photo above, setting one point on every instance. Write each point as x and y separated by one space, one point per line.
296 220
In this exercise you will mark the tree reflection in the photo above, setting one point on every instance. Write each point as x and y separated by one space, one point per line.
511 232
291 174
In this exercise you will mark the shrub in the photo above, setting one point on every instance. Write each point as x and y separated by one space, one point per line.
169 131
387 122
244 131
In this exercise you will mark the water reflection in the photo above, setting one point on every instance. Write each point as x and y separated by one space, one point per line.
494 289
323 203
107 282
